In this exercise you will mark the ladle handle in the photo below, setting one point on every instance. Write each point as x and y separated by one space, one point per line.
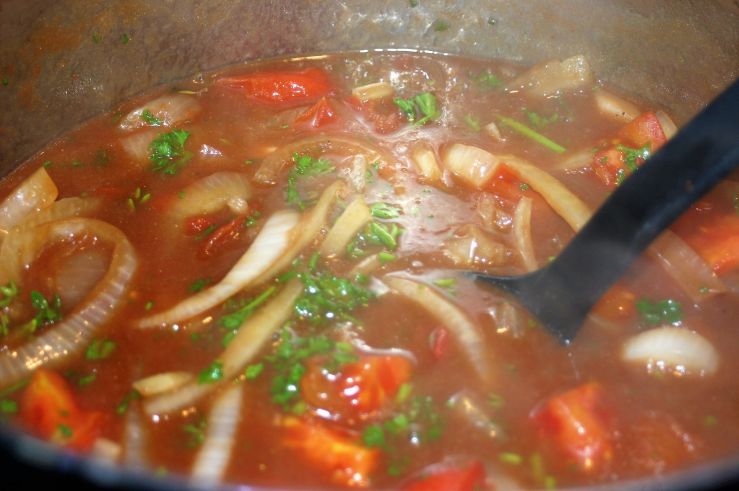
690 164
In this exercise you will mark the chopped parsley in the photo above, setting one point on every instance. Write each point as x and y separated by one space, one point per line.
440 25
212 373
329 298
148 118
377 234
47 311
195 433
305 166
252 371
8 294
139 197
473 122
384 210
125 38
198 285
8 406
539 121
488 80
423 105
122 407
167 152
660 312
633 157
288 362
231 322
100 349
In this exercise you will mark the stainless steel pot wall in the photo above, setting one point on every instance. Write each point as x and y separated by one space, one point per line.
64 61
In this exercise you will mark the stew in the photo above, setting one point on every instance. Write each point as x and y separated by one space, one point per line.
255 277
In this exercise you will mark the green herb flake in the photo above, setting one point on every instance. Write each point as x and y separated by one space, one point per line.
234 320
532 134
6 81
149 118
8 294
384 210
386 257
510 458
122 407
198 285
252 371
666 311
125 38
212 373
87 379
524 187
96 38
633 157
710 421
47 164
65 431
8 406
538 121
100 349
489 80
413 3
373 436
305 166
148 305
423 105
440 25
495 401
167 152
195 433
473 122
47 312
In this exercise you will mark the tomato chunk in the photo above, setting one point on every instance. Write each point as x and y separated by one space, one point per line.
644 130
280 88
617 304
331 451
319 114
359 388
49 410
717 242
577 426
466 478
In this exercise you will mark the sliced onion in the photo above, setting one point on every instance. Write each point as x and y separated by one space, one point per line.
212 193
669 128
366 265
250 338
471 245
615 107
161 382
426 163
269 247
78 274
377 90
215 452
352 219
492 129
672 349
508 319
465 332
356 173
363 347
567 205
36 192
522 233
692 274
106 451
135 439
473 165
475 413
63 208
554 76
273 164
137 145
575 161
310 225
170 109
74 332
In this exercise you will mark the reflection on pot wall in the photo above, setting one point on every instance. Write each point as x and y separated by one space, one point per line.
65 61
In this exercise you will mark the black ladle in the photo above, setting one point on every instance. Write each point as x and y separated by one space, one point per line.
562 293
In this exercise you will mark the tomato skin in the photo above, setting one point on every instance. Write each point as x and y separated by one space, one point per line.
347 462
319 114
577 426
644 130
467 478
280 88
361 387
49 410
223 237
716 240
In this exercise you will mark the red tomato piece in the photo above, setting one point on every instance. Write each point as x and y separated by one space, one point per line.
616 305
717 242
317 115
198 225
48 409
224 237
507 186
466 478
279 88
331 451
359 388
645 129
382 114
609 166
577 427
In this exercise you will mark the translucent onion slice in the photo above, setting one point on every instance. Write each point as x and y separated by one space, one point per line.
567 205
71 335
215 452
672 349
522 233
36 192
475 413
554 76
464 331
161 382
137 145
377 90
615 107
250 338
352 219
426 163
473 165
135 438
309 227
273 164
692 274
78 274
272 243
669 128
212 193
170 109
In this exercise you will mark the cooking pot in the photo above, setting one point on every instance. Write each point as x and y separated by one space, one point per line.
63 62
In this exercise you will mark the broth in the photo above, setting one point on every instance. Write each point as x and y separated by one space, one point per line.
384 367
